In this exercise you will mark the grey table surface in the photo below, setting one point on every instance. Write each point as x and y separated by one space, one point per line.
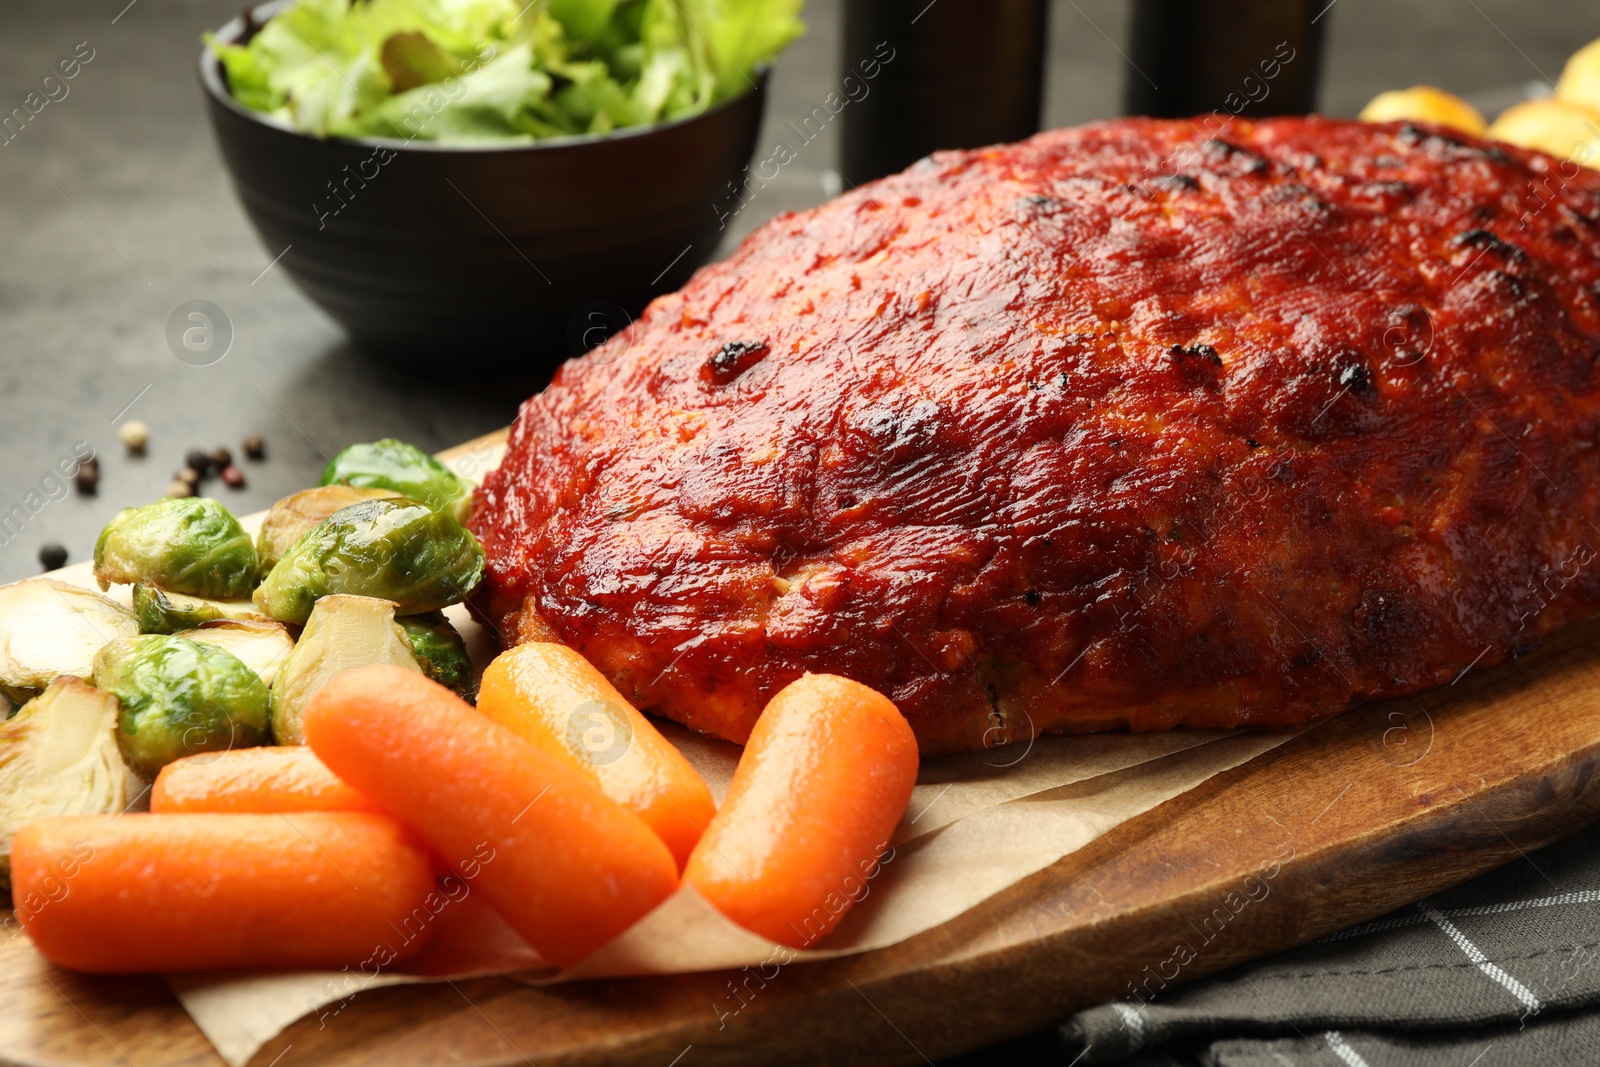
115 209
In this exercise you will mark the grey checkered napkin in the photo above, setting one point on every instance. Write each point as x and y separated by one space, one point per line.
1506 966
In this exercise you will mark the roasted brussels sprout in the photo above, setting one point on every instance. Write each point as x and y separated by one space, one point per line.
186 545
49 628
179 697
440 651
162 612
291 517
409 471
261 646
344 632
58 756
396 550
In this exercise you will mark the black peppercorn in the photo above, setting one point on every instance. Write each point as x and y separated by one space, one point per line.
52 556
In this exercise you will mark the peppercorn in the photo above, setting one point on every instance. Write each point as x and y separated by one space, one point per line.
180 488
221 457
254 447
135 436
188 476
88 478
233 477
52 556
199 461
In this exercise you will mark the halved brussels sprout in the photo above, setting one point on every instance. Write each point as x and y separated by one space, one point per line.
160 611
397 550
345 632
179 697
291 517
409 471
188 545
58 756
261 646
49 628
440 651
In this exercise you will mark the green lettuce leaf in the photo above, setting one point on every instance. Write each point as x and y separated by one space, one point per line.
484 105
469 70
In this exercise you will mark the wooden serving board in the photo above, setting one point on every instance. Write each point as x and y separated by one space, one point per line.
1367 812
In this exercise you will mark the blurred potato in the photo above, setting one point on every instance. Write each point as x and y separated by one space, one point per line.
1551 126
1580 79
1424 103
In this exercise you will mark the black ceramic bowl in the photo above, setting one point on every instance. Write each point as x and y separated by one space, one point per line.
510 258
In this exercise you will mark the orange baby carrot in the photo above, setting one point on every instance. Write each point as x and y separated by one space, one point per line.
566 866
824 779
262 780
551 696
130 894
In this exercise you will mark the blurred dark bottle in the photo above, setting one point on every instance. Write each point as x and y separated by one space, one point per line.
1239 57
948 74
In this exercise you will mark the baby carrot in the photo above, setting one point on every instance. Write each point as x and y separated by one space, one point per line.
550 695
132 894
824 779
565 865
263 780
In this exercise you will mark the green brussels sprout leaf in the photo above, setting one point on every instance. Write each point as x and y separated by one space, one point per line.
441 652
179 697
290 518
395 549
162 612
190 545
409 471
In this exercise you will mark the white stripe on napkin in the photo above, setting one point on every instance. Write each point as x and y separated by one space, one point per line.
1475 954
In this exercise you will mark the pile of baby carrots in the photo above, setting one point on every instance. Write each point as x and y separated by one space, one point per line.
340 853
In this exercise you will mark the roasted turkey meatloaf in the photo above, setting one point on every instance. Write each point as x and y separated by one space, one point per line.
1145 424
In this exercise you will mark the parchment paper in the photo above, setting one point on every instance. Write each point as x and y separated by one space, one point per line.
971 831
977 824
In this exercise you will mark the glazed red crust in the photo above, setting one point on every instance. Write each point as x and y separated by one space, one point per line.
1140 423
